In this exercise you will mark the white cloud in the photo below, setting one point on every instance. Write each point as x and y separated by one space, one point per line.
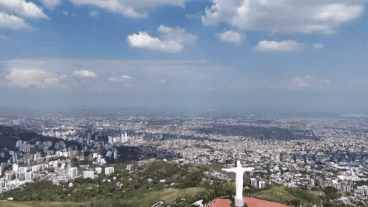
161 81
93 13
50 4
129 8
311 83
66 13
84 74
2 37
22 8
27 77
284 15
119 78
237 85
12 22
231 36
289 45
140 75
172 40
318 46
198 14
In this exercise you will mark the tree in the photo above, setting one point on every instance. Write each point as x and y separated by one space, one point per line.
316 183
295 202
330 193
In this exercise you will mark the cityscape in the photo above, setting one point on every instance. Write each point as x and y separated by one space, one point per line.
183 103
297 152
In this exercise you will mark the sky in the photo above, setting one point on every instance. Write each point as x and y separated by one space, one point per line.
195 55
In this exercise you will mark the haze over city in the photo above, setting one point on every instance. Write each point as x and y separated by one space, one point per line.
178 103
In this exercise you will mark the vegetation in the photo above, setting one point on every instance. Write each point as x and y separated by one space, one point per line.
183 185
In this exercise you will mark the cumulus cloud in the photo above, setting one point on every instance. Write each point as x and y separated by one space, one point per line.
289 45
22 8
93 13
318 46
12 14
12 22
50 4
172 40
312 83
231 36
129 8
84 74
27 77
284 15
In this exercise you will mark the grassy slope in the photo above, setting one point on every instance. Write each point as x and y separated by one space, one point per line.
147 199
277 193
151 197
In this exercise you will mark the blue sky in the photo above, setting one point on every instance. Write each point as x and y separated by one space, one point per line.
278 54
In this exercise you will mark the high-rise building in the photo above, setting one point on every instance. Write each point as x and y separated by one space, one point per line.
15 168
88 174
28 176
73 172
115 154
253 182
22 176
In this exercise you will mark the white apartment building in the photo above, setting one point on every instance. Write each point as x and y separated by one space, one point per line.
15 168
88 174
98 170
253 182
262 184
109 170
73 172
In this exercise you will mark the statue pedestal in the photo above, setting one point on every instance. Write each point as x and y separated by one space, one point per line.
239 201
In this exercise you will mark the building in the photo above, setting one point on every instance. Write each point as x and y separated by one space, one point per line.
124 138
36 156
346 187
98 170
88 174
253 182
98 158
15 168
130 167
262 184
28 176
36 168
22 176
73 172
109 170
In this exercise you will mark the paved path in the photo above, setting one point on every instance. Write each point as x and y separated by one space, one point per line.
251 202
